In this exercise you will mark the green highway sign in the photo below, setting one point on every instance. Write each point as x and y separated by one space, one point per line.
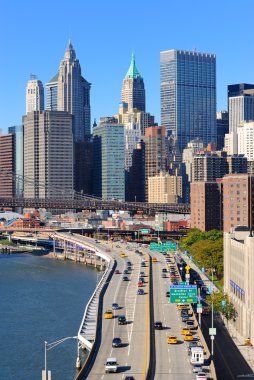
168 246
145 231
183 293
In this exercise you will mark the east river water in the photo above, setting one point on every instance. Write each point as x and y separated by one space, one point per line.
41 299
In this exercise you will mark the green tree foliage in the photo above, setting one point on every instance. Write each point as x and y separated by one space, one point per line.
217 299
206 249
229 312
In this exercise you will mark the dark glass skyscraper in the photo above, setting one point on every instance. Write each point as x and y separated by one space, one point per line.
188 95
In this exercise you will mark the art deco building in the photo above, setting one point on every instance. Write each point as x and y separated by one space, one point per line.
34 95
188 95
73 94
133 89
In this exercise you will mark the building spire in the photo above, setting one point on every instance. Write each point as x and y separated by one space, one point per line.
70 52
133 70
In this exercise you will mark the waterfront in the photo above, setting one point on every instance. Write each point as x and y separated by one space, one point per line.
41 299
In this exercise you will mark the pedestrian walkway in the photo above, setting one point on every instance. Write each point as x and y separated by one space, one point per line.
246 350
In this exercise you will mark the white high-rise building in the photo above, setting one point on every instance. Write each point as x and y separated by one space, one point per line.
132 135
34 95
193 147
240 104
246 140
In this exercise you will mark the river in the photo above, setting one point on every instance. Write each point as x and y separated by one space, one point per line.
41 299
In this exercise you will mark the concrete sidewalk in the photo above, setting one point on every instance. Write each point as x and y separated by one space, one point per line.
247 351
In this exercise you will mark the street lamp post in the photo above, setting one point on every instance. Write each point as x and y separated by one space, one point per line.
212 336
49 346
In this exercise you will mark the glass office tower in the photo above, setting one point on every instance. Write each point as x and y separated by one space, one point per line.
188 95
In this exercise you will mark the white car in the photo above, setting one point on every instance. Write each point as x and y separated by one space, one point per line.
111 365
197 368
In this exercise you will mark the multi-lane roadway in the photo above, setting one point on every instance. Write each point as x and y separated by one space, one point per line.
171 360
133 356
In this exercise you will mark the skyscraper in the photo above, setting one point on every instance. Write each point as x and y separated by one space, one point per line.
108 158
155 152
240 104
18 131
222 128
133 89
34 95
51 94
48 154
73 94
188 95
7 164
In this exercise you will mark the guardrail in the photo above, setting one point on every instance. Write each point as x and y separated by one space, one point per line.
88 326
86 368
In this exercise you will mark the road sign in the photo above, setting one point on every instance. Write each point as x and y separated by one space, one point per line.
145 231
187 268
183 293
212 331
223 303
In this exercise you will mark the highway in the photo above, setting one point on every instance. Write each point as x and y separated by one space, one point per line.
132 357
172 361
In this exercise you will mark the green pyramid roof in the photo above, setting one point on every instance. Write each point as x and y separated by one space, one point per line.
133 71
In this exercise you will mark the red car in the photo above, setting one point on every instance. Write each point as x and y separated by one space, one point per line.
117 272
140 284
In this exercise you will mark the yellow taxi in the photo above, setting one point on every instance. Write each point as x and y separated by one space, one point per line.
185 331
108 314
154 260
172 339
188 337
181 306
123 255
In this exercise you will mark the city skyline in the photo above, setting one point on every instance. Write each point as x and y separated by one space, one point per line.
41 51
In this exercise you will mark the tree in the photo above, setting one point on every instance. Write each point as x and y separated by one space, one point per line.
216 299
229 312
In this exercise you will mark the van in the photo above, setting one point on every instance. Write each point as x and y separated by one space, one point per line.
111 365
197 355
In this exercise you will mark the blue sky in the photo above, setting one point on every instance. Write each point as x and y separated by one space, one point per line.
104 34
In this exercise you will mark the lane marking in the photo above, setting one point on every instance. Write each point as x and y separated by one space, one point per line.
147 323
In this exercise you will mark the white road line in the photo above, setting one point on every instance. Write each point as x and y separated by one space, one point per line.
135 301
